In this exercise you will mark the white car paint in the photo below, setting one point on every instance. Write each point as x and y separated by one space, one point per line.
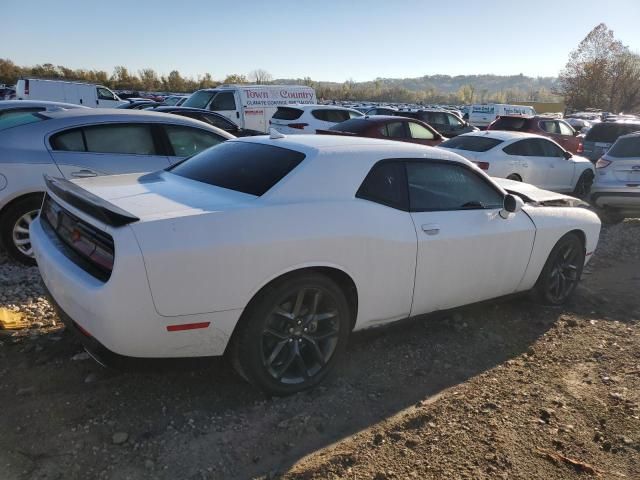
80 93
309 118
199 253
557 173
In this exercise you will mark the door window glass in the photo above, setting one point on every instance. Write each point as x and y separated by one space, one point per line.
105 94
550 127
126 139
395 130
565 129
524 148
419 132
223 101
435 186
549 149
187 141
385 184
454 121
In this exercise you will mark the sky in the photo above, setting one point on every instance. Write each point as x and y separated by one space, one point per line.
331 40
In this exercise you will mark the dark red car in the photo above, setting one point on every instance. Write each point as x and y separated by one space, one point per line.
554 128
388 127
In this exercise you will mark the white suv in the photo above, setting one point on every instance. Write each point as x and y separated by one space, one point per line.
295 119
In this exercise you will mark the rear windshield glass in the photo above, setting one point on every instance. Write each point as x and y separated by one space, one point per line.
514 124
626 148
199 99
287 113
471 143
9 121
609 132
251 168
355 125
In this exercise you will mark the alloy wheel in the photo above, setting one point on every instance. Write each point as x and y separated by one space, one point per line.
20 234
564 274
300 335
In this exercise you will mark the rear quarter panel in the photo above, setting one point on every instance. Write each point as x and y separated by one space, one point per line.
552 223
219 261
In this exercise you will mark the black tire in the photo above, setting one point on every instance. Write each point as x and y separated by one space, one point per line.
515 177
583 185
273 351
610 216
13 218
562 271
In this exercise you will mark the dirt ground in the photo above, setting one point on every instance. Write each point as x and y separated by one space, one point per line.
505 389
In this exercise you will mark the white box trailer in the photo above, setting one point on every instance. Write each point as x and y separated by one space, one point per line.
86 94
482 115
250 106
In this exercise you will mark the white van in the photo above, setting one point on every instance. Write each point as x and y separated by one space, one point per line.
482 115
87 94
251 106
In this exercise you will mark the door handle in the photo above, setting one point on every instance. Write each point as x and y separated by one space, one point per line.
431 229
84 174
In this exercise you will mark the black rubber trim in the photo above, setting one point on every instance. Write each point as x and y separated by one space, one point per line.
597 195
89 203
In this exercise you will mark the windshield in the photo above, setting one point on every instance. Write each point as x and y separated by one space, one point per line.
251 168
200 99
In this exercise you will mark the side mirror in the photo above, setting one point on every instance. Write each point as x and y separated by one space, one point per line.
511 204
567 155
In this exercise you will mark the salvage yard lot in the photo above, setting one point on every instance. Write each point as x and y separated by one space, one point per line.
504 389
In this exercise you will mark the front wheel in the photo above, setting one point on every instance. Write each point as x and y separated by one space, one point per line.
291 336
14 228
562 271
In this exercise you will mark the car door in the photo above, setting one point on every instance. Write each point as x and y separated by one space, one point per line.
105 98
184 141
569 140
107 149
525 159
560 170
466 251
437 120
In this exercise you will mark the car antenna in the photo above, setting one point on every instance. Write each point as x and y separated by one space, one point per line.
275 134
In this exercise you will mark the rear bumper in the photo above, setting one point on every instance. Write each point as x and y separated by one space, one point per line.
620 197
119 315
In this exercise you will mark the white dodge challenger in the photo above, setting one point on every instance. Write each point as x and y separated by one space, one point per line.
273 249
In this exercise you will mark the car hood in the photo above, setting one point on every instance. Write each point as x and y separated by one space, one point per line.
534 195
161 195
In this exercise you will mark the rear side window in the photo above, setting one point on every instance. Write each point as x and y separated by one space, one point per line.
17 120
386 184
122 138
512 124
626 148
327 115
186 141
609 132
287 113
471 143
251 168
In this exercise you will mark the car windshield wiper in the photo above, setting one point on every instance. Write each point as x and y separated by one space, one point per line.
473 204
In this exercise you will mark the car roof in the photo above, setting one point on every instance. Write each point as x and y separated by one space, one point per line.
10 104
630 135
302 106
504 135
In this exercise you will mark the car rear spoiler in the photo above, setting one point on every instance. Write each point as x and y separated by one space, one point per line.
89 203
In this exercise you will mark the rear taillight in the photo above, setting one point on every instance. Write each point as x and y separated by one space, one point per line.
299 126
602 163
26 87
482 165
580 148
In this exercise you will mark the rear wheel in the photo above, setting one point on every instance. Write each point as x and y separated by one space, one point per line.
291 336
14 228
562 271
583 186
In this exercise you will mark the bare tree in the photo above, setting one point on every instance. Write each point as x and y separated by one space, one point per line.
260 76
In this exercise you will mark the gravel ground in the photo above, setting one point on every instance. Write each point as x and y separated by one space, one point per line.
505 389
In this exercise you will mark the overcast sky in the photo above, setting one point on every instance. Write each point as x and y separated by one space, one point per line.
325 40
